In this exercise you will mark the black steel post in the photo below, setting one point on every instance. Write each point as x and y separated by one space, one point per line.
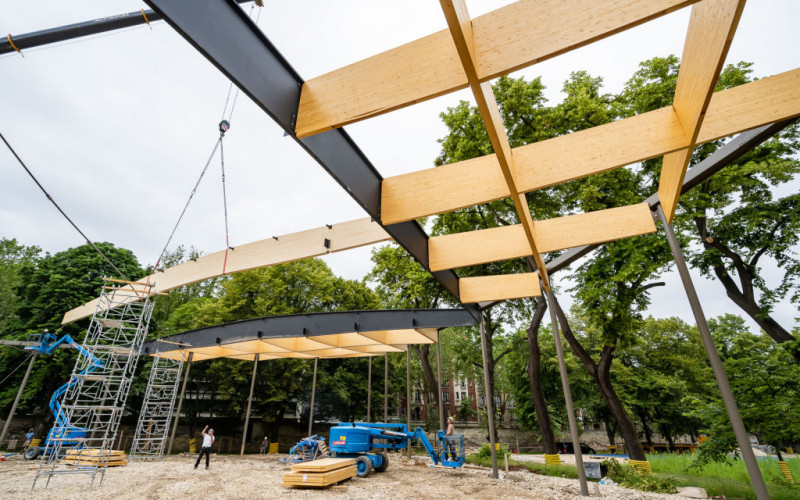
739 430
439 376
313 393
249 403
562 367
16 399
386 387
408 396
489 398
369 387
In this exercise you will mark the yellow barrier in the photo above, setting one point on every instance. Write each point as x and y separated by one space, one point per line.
552 459
787 474
612 449
642 466
193 445
273 448
789 450
36 442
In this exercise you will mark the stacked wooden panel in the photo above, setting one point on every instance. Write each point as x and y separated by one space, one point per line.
320 473
95 458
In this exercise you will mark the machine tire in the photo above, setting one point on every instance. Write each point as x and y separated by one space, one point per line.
31 453
385 464
363 466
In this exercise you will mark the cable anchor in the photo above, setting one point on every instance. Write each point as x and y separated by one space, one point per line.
224 125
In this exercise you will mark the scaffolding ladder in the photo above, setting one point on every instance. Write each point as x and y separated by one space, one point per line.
152 428
92 406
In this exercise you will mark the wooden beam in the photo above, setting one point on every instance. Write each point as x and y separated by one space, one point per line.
503 287
455 11
507 39
580 154
263 253
711 29
509 242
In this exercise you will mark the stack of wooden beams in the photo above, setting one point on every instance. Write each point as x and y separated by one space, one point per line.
95 458
320 473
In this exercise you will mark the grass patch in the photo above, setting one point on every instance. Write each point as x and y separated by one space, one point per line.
568 471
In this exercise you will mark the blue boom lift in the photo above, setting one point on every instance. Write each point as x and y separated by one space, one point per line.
45 343
368 442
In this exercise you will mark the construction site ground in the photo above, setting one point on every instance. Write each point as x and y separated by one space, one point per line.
259 476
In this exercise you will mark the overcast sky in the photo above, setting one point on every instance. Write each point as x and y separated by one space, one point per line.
118 127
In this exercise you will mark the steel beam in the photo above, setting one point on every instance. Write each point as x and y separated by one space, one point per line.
229 39
562 368
739 430
78 30
249 403
327 323
7 426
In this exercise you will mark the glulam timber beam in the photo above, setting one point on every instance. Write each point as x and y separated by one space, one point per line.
711 28
258 254
460 25
502 287
587 152
509 242
505 40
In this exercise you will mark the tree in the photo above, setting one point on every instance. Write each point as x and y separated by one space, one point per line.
748 212
13 257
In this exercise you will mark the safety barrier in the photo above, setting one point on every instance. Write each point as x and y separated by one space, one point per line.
642 466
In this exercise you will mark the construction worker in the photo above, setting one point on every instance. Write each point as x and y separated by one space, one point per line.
451 445
28 438
208 440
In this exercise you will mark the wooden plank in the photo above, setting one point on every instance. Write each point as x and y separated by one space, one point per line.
324 465
318 479
460 25
263 253
580 154
711 28
507 39
503 287
508 242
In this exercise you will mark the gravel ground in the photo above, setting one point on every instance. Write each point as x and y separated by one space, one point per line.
260 477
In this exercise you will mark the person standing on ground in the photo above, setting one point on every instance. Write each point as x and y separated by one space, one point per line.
208 440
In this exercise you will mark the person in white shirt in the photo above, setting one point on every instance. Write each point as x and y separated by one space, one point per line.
208 440
451 445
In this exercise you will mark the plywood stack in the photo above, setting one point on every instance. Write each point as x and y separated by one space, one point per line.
96 458
320 473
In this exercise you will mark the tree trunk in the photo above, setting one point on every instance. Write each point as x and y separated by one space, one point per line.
600 373
648 433
535 379
423 353
611 432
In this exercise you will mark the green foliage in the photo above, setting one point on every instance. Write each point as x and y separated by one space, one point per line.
486 450
13 257
465 409
631 478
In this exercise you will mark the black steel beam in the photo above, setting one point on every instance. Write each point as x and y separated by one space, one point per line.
226 36
304 325
78 30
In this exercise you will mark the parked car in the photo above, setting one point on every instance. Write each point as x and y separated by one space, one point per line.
566 447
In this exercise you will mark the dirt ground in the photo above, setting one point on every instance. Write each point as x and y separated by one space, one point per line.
255 476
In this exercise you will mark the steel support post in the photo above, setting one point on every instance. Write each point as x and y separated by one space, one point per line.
16 400
489 398
180 403
739 430
249 403
386 387
439 377
408 396
313 393
369 387
562 367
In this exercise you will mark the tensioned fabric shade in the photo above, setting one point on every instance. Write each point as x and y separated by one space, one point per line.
346 334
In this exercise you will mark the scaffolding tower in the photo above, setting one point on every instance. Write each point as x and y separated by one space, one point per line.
89 411
152 429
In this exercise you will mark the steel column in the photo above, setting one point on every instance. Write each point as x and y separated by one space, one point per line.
562 367
249 403
313 393
408 396
369 387
488 396
386 387
180 402
439 375
16 399
716 364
